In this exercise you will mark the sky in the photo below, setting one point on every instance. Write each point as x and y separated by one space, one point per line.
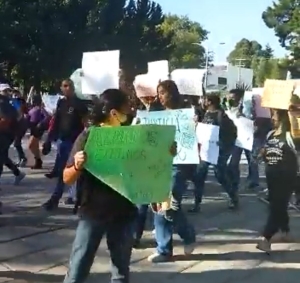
228 21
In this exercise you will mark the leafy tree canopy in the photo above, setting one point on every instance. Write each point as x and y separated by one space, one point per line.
283 17
185 33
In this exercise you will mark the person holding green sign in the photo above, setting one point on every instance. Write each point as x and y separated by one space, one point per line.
102 209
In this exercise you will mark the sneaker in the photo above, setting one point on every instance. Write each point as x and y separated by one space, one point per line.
158 258
189 249
264 245
51 175
233 203
195 209
38 164
69 201
50 204
19 178
22 162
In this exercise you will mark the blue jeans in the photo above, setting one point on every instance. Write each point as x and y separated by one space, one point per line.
221 172
141 221
63 151
251 156
174 218
89 233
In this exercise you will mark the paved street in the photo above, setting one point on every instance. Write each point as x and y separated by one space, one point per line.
35 245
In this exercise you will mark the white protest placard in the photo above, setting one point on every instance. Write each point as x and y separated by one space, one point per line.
159 69
145 85
189 81
50 102
76 77
208 138
245 132
261 112
187 146
100 71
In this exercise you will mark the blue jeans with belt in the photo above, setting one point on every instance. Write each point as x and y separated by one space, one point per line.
174 218
63 151
89 233
221 172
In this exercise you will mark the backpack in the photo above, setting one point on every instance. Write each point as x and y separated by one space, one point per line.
80 180
228 130
8 114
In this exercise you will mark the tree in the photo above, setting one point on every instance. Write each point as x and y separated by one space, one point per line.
284 18
43 41
184 34
244 51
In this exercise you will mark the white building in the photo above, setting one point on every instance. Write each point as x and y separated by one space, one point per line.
227 76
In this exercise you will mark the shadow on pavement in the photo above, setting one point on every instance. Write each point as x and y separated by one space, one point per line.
257 275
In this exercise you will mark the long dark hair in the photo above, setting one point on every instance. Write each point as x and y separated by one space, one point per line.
284 119
172 89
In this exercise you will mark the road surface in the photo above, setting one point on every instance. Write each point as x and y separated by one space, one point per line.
35 245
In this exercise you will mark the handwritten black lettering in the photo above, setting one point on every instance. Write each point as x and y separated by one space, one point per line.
115 153
152 138
187 140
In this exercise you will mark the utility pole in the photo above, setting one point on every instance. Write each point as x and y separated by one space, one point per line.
240 65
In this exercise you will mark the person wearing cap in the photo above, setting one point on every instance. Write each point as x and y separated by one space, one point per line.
5 89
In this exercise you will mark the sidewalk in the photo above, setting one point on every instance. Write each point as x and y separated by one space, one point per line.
35 245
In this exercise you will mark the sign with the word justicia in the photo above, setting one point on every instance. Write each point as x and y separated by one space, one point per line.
187 148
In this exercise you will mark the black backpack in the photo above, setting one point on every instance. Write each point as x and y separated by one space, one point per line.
228 130
8 114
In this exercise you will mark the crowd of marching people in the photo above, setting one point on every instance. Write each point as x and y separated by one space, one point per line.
104 211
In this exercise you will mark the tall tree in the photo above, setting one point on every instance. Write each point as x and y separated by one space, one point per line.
284 18
244 52
44 41
185 33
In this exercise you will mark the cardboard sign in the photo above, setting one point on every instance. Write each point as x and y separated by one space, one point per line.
277 94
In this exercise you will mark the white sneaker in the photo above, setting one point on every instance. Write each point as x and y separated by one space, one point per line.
19 178
264 245
189 249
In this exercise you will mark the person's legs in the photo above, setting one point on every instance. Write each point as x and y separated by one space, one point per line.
223 173
278 219
120 242
234 168
87 240
34 144
140 222
199 181
172 218
18 142
55 170
252 157
19 176
64 152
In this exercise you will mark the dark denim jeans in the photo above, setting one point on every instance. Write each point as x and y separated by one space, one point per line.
251 156
221 173
141 221
5 142
89 233
174 218
63 151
